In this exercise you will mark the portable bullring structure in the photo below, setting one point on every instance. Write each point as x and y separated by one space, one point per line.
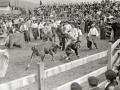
111 53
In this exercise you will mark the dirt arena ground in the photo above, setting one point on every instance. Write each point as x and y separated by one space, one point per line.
19 59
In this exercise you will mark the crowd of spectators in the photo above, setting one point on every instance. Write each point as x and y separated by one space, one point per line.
113 82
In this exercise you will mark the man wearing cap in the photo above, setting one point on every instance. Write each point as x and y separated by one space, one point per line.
24 28
75 86
47 31
9 25
111 79
34 27
93 83
28 23
61 35
93 33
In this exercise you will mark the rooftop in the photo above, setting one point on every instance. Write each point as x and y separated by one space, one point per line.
4 3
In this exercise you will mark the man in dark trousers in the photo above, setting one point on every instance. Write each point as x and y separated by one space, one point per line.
61 35
93 34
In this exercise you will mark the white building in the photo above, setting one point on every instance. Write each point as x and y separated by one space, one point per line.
5 7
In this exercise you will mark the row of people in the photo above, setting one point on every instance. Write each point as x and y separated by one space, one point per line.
113 82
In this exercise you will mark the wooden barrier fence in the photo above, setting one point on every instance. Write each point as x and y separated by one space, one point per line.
42 74
15 84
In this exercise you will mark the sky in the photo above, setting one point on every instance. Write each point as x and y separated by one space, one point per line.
44 1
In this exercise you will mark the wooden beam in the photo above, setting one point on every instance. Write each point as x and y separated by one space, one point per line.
109 56
40 76
115 56
82 79
73 64
15 84
115 44
116 64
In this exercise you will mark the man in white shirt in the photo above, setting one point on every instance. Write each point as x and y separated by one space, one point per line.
93 33
67 27
34 27
73 32
28 23
47 31
24 28
9 25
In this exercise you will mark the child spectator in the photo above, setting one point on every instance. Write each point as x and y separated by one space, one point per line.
93 83
75 86
111 78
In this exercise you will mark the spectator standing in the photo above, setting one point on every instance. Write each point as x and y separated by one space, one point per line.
93 34
24 28
34 27
47 31
61 35
9 25
102 30
82 25
79 33
28 23
40 28
111 78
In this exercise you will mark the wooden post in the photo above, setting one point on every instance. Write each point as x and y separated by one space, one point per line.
109 56
112 35
41 75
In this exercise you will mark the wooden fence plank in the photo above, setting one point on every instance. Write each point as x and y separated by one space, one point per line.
110 56
73 64
115 44
118 61
15 84
50 72
115 56
82 79
116 64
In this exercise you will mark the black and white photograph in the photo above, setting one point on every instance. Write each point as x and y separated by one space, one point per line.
59 44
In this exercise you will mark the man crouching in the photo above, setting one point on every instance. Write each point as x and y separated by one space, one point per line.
47 47
72 49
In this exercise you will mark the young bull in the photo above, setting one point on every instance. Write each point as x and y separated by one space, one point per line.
47 47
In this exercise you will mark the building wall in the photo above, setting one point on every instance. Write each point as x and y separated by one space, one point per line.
5 10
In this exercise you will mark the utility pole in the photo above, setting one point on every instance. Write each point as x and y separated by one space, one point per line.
15 3
18 5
